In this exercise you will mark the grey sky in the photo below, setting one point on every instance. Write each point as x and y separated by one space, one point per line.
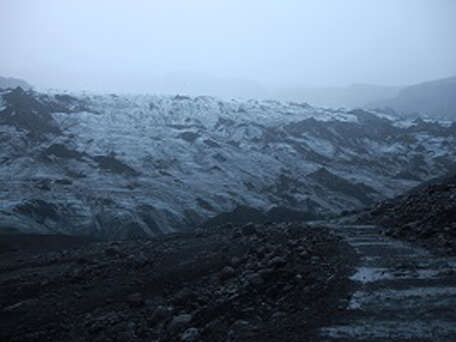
128 45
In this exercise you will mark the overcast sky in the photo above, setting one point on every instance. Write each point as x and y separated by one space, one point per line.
128 45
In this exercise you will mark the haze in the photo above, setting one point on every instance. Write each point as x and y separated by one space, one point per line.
152 46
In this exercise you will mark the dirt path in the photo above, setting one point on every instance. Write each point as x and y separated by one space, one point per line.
402 293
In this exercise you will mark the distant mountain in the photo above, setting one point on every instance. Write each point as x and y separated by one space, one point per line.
355 95
435 100
195 84
9 82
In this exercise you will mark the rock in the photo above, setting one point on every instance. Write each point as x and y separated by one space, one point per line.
184 296
83 261
227 273
236 234
160 314
249 229
240 325
179 323
266 272
235 261
315 259
109 318
303 255
135 300
112 251
190 335
292 243
77 274
13 307
251 265
278 315
277 262
260 252
255 279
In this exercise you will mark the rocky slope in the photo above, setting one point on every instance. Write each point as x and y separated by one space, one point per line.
116 167
232 283
426 214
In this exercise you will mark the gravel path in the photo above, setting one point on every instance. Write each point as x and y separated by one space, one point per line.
402 292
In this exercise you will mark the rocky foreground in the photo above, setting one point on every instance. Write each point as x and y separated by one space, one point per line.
268 282
426 215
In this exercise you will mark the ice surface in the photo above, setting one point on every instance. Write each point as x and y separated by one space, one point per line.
185 151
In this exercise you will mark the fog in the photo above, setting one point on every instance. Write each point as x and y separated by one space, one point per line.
223 46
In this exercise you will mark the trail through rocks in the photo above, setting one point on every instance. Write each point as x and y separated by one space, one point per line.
402 292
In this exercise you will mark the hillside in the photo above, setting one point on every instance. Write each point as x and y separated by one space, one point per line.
425 214
435 100
352 96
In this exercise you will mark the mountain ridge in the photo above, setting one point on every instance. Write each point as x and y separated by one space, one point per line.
11 83
433 99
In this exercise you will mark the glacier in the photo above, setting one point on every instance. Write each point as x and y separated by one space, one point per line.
122 166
